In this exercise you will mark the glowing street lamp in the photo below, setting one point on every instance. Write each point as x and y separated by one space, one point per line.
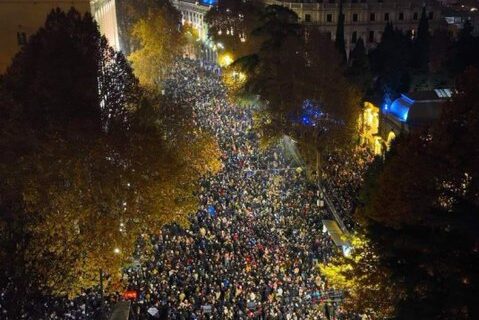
225 60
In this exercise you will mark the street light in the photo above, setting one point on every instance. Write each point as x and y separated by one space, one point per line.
225 60
116 250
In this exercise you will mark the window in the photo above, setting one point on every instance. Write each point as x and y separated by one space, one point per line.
21 38
386 16
329 17
401 16
415 16
354 37
307 18
372 17
355 17
371 36
431 15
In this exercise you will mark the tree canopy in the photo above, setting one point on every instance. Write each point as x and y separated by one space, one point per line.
420 215
89 160
391 61
340 42
298 68
132 11
231 23
367 284
160 40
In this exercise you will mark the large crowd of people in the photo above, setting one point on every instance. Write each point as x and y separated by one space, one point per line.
252 249
343 175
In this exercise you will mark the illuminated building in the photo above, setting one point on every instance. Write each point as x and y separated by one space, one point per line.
369 128
21 18
457 15
105 14
378 127
364 19
193 13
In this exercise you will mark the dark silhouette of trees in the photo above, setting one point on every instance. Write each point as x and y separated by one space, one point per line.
85 167
359 69
464 51
391 61
297 63
421 212
421 44
340 43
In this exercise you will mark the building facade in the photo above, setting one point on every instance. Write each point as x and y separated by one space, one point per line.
364 19
379 126
105 14
193 13
456 16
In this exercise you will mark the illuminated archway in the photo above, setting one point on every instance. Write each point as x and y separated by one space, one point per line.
391 137
378 146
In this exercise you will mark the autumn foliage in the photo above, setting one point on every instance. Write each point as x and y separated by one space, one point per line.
89 161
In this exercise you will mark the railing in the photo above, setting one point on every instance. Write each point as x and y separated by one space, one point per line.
333 210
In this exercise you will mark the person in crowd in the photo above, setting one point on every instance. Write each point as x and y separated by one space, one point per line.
252 249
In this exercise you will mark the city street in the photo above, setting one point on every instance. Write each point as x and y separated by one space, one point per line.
251 251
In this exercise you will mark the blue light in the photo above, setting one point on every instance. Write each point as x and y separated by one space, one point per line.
310 114
305 120
400 108
209 2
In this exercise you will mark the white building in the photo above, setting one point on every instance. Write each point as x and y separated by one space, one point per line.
193 13
363 18
105 14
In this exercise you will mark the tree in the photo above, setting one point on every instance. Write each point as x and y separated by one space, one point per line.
464 51
423 221
422 43
440 43
390 62
131 11
340 44
89 161
231 23
367 286
160 42
359 70
299 76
